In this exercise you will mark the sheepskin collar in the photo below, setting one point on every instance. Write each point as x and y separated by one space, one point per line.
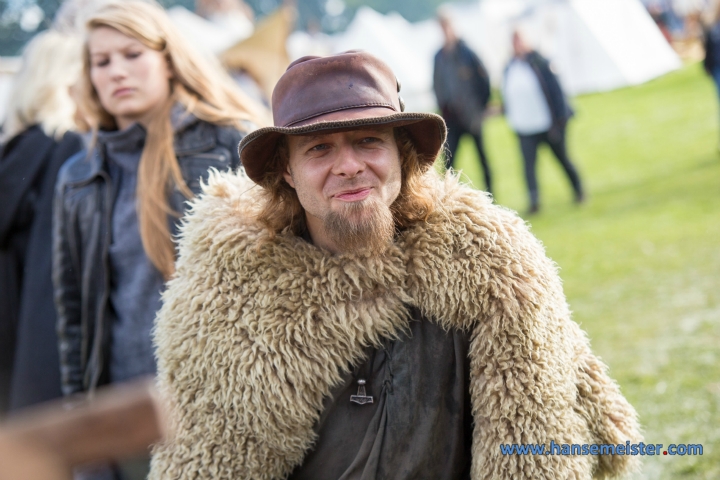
253 335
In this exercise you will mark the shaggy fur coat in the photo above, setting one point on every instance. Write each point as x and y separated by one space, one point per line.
251 339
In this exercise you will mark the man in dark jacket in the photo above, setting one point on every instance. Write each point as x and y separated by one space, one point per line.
712 50
536 108
462 88
711 41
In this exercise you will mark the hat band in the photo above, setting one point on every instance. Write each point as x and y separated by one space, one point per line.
339 109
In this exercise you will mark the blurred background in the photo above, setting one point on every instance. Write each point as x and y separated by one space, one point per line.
640 257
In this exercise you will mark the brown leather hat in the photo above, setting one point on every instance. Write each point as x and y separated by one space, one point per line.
337 93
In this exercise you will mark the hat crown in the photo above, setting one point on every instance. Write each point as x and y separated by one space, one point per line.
315 86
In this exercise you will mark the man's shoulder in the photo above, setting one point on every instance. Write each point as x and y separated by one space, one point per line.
463 46
469 222
535 58
224 212
229 198
470 248
459 202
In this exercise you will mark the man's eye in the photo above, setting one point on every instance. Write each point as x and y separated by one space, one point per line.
370 140
318 148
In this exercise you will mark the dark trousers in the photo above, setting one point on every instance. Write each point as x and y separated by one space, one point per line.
529 145
716 76
455 131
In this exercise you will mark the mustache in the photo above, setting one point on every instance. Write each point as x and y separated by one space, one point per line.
353 183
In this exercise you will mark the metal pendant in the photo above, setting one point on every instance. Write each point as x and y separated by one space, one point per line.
361 398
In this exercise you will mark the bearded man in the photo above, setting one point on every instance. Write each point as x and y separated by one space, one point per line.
340 311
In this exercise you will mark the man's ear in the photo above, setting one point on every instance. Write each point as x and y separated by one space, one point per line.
288 176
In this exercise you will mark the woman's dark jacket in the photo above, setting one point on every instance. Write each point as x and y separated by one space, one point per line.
83 213
711 61
29 165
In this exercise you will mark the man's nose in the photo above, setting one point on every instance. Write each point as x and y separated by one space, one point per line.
348 164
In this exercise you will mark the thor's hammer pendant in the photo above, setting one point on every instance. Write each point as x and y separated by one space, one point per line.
361 398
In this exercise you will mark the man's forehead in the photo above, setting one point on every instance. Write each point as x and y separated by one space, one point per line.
313 137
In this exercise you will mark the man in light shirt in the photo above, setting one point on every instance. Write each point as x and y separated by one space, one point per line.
537 110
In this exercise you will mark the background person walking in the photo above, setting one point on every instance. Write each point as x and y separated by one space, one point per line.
462 88
537 110
712 49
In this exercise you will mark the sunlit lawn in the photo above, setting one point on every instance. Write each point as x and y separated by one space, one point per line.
641 260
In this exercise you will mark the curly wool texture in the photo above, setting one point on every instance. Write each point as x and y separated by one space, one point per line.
249 341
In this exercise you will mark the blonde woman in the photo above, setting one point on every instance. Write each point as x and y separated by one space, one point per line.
37 141
162 117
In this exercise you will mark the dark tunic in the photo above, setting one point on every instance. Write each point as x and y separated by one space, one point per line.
419 425
29 358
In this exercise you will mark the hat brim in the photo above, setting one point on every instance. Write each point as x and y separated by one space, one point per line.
426 130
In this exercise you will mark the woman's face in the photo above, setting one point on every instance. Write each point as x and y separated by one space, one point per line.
131 80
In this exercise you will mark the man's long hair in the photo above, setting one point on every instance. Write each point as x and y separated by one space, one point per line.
282 211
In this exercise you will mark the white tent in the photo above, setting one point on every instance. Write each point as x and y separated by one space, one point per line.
9 66
210 37
407 48
594 45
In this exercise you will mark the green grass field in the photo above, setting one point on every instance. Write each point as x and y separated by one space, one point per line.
640 261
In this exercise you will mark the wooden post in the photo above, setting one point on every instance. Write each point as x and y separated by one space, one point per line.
45 443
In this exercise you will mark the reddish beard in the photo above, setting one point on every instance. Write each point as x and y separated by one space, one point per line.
365 227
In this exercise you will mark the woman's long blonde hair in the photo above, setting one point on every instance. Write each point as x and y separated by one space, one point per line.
41 90
203 88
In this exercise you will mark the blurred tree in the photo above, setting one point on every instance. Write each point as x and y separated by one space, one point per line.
21 19
413 11
334 15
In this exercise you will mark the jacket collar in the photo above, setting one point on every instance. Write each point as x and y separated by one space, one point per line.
191 136
180 118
